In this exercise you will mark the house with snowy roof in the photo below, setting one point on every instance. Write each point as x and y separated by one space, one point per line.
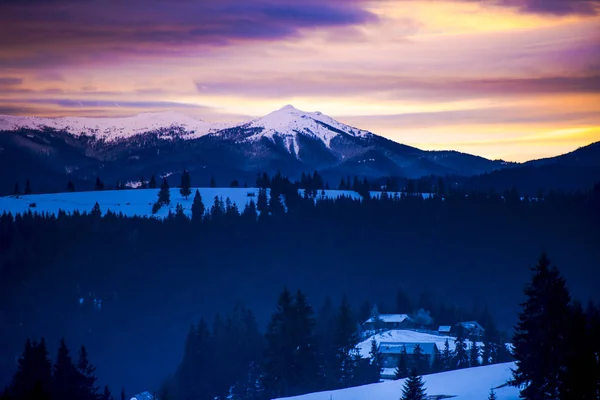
387 322
444 329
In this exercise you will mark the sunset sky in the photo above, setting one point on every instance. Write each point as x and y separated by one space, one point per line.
511 79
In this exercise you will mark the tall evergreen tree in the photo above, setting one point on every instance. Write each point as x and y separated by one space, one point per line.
164 195
580 375
402 370
16 190
185 189
107 394
438 362
198 208
492 395
345 341
278 379
306 361
66 378
420 360
447 356
414 388
87 379
70 186
99 184
376 363
213 182
33 378
27 187
539 345
461 357
262 203
249 212
152 183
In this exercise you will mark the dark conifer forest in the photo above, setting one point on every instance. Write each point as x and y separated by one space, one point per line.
148 297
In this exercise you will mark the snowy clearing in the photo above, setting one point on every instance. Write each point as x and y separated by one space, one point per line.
464 384
134 202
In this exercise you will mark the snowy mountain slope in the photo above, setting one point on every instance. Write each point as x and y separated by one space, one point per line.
464 384
289 122
110 129
58 150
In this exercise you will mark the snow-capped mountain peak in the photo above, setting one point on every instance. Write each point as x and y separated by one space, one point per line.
110 129
288 122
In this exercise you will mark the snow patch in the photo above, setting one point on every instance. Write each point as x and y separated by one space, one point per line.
111 129
464 384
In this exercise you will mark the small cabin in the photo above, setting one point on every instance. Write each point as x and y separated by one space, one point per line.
387 322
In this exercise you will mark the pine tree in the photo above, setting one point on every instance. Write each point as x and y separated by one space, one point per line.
402 370
33 378
262 203
152 183
87 379
539 345
278 378
99 184
414 388
438 362
164 195
185 188
579 377
107 395
345 341
492 395
65 377
249 212
213 183
96 211
70 186
123 397
461 357
27 187
16 190
306 360
420 360
375 362
474 354
198 208
447 356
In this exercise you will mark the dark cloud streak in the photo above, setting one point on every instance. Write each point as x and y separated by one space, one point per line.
70 31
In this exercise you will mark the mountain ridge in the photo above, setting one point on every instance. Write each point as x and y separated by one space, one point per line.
289 140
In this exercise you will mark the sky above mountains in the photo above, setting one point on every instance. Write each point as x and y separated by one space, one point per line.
511 79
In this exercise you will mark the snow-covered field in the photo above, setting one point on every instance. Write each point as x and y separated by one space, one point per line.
134 202
464 384
138 202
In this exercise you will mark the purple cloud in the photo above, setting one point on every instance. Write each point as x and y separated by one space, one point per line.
343 84
58 31
10 81
554 7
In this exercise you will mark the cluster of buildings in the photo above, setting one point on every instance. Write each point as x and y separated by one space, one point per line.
394 332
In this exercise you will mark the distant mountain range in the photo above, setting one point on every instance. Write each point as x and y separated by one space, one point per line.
51 151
